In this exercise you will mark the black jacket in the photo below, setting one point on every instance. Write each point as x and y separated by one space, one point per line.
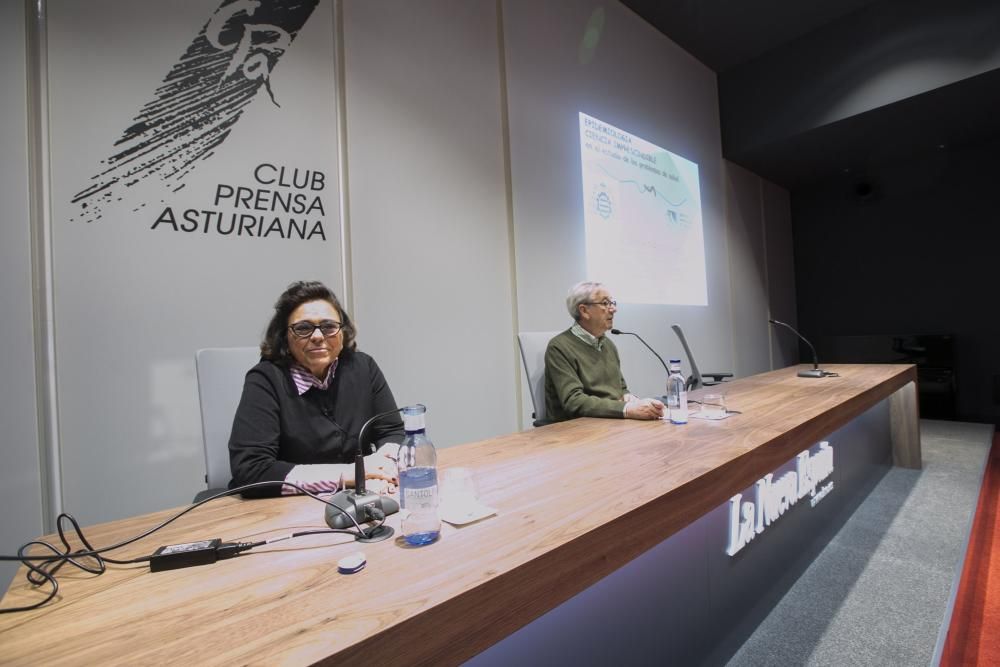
275 429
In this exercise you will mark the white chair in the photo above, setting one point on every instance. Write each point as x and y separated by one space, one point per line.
221 371
533 344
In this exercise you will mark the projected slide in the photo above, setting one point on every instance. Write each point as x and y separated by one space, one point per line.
642 212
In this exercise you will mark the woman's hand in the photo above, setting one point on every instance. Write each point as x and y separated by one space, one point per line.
381 474
319 477
380 486
382 464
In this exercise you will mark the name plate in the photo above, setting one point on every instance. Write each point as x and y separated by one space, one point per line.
773 497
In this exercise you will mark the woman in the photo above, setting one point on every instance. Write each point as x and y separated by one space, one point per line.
305 402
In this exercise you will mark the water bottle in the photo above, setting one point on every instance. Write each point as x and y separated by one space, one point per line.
677 396
418 483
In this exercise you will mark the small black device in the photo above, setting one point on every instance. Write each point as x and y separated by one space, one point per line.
175 556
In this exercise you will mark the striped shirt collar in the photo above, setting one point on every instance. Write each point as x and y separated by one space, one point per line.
587 337
305 380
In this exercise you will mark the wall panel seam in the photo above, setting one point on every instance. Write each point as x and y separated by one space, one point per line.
43 297
509 204
767 273
340 84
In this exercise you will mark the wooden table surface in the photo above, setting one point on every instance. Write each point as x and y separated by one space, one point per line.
566 494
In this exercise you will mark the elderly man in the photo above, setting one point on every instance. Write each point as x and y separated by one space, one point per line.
583 375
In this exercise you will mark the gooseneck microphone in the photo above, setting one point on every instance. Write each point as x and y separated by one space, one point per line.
619 332
358 503
815 371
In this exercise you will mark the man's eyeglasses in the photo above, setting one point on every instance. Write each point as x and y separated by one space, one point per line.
607 303
305 329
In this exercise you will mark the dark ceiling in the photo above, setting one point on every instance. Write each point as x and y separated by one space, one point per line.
725 34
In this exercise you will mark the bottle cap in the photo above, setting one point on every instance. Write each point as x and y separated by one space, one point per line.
413 417
413 423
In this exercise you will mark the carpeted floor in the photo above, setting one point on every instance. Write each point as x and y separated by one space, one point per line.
880 592
974 635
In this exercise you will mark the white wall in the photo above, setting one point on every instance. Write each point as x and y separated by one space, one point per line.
20 476
132 302
763 275
435 241
428 211
748 263
645 84
777 210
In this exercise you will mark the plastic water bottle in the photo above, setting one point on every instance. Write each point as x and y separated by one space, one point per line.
677 396
418 483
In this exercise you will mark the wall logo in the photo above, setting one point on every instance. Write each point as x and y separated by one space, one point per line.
200 100
602 203
284 203
773 497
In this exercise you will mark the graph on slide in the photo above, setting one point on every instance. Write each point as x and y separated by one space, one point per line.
642 214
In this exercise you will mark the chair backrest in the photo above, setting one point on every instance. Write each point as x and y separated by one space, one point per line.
533 344
695 381
221 371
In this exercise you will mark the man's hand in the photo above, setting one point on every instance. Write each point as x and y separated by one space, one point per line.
646 408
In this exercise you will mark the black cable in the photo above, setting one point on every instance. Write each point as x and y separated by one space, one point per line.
94 552
379 516
44 571
364 427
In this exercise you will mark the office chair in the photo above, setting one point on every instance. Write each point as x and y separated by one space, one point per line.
696 380
533 344
221 371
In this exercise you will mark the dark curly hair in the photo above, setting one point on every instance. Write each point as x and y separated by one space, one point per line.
274 347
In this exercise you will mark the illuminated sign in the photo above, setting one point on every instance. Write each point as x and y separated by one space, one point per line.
773 497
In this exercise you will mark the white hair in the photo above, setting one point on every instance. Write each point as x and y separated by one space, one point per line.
580 293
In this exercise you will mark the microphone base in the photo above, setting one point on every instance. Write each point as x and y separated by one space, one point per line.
358 506
376 535
812 373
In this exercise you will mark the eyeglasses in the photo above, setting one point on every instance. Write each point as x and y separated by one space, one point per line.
607 303
305 329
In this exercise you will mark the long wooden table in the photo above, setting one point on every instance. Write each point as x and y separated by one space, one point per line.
444 603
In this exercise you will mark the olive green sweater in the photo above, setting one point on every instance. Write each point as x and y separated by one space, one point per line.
581 381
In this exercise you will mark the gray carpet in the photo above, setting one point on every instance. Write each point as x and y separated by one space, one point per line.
880 592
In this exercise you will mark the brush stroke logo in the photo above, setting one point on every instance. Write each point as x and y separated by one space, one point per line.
200 100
